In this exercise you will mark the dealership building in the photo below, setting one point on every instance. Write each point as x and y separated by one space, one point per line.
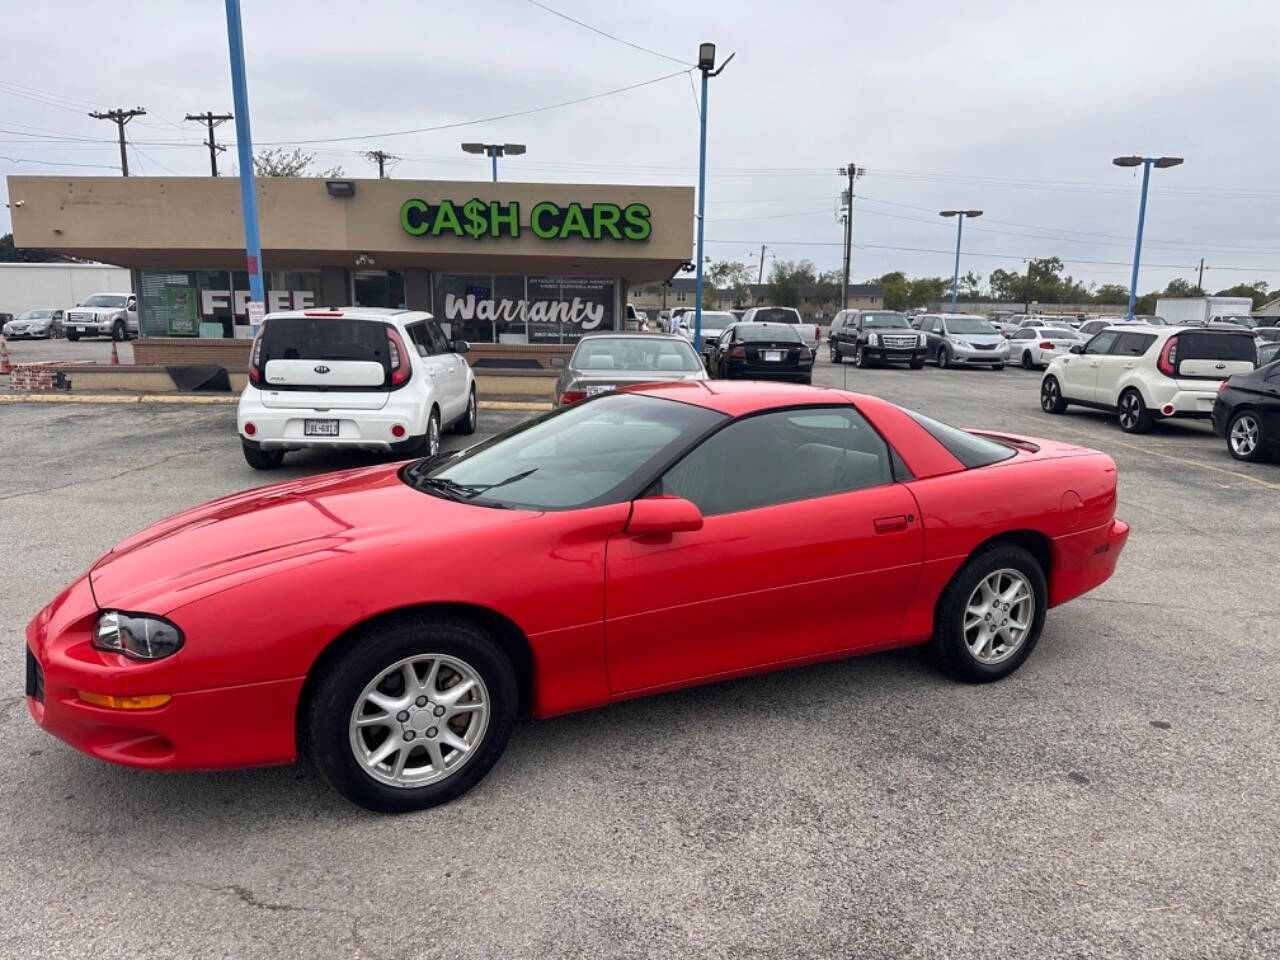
508 264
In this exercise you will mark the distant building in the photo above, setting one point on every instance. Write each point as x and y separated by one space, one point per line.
681 292
1269 309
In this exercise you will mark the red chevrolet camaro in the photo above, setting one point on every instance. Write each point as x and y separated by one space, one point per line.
393 621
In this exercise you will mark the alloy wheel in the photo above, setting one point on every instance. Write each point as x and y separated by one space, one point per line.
433 436
471 410
1129 411
1049 396
999 615
420 720
1245 433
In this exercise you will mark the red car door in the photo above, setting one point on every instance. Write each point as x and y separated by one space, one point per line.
808 548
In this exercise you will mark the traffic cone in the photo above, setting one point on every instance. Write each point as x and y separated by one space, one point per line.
5 366
115 357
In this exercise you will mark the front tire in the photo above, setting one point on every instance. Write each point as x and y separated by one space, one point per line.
1027 362
467 425
944 358
1245 437
261 459
860 359
412 712
990 616
917 363
1051 396
73 336
1133 413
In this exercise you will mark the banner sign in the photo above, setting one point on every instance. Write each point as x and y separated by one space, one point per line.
576 311
217 302
180 309
547 221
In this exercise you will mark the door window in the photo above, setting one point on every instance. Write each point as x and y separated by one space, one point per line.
438 342
421 339
1134 344
1024 334
1101 343
780 457
926 324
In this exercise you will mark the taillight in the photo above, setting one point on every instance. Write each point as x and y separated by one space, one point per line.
398 356
1222 386
1168 362
572 396
738 353
806 353
255 354
1046 345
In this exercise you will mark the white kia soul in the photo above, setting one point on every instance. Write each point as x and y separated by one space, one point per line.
353 377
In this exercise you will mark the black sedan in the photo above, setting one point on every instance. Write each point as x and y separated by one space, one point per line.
761 351
1247 411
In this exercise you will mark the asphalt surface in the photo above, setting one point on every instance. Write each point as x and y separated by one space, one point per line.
97 348
1119 796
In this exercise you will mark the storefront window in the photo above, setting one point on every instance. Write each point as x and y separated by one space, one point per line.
512 309
377 288
214 303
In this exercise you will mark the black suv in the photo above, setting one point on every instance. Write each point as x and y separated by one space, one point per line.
875 335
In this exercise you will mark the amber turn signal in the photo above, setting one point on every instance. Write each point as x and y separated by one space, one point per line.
145 702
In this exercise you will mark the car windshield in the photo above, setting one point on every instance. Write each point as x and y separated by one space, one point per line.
635 354
777 315
1268 352
758 333
972 325
884 320
968 448
105 300
35 315
598 451
1241 321
712 320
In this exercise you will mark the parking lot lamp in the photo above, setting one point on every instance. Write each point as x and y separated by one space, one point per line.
494 151
244 148
1147 164
706 63
959 215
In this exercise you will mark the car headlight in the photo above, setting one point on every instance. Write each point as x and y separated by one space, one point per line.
873 339
139 636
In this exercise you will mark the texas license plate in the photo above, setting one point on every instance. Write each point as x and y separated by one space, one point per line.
82 329
773 356
593 391
320 428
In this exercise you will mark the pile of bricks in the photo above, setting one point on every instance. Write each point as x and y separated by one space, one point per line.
39 376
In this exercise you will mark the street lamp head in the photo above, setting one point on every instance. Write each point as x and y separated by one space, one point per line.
706 56
473 148
972 213
513 149
1168 162
1127 161
947 213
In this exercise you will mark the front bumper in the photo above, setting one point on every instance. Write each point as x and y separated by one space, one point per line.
964 354
894 354
244 725
98 326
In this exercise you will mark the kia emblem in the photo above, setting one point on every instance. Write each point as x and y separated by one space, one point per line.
322 369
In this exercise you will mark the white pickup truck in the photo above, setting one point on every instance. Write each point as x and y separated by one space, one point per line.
809 332
113 315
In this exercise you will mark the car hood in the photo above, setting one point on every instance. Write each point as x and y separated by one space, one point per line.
248 535
96 311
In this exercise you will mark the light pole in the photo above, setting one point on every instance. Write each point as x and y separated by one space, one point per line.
706 63
244 147
1147 164
494 151
960 215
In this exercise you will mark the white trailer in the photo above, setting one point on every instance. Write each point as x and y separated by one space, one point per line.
1197 311
32 286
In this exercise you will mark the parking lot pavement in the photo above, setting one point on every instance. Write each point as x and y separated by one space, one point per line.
38 351
1114 798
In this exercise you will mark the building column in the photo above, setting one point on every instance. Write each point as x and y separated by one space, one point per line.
335 288
417 288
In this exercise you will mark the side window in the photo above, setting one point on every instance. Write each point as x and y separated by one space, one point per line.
1134 344
926 324
439 343
1024 334
420 338
1101 343
780 457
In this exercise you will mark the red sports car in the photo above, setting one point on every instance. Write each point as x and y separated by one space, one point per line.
394 621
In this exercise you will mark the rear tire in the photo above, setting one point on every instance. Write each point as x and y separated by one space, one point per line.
835 353
261 459
991 648
467 425
342 748
1246 438
119 332
1051 396
1133 414
1027 362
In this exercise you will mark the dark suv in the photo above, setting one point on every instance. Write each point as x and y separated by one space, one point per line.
875 335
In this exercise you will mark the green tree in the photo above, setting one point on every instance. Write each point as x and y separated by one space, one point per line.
1005 284
1146 303
11 254
281 163
896 290
971 286
827 291
1045 278
733 276
1257 291
1183 288
789 281
924 290
1112 293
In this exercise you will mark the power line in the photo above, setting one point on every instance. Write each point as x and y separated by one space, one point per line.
211 120
616 39
55 163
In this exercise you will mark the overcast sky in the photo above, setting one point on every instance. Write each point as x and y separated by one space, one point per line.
1015 108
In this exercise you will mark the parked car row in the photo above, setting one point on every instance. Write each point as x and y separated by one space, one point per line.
112 315
35 325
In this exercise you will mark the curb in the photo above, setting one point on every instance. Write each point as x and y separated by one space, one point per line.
186 399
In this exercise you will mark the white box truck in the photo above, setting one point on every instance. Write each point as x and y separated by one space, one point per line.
1198 311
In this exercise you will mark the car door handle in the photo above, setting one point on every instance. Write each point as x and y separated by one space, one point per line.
891 524
1130 366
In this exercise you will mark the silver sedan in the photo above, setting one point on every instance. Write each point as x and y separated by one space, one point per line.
605 361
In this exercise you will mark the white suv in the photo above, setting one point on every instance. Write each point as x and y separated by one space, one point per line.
354 377
1145 373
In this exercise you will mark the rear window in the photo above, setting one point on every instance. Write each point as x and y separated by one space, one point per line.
970 450
323 338
1216 346
755 334
1057 334
776 315
635 354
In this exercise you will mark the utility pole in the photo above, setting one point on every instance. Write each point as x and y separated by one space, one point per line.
120 118
1200 282
211 120
1026 291
853 172
380 157
760 277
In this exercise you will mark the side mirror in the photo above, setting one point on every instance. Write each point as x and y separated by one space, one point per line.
652 515
1078 348
461 346
558 362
